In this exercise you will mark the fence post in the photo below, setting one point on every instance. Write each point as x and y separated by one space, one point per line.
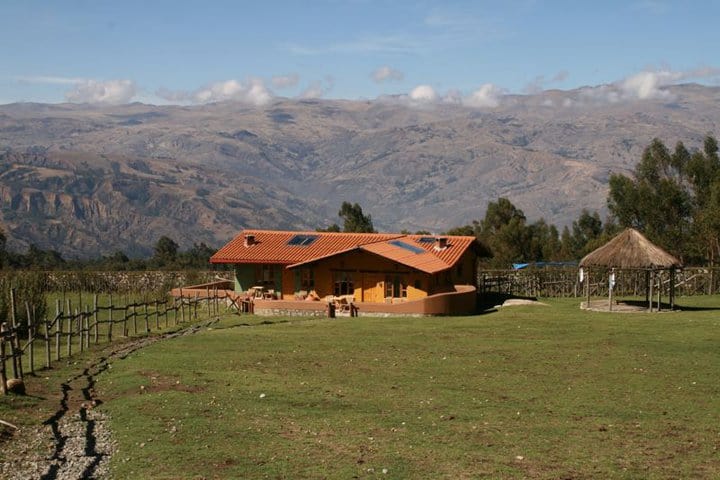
182 307
207 300
125 319
157 314
110 320
14 344
86 325
95 316
47 344
134 314
147 324
79 317
31 338
197 300
3 372
69 333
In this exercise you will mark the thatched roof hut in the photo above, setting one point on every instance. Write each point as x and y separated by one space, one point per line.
630 250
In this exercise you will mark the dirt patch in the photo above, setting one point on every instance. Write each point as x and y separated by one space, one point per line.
514 302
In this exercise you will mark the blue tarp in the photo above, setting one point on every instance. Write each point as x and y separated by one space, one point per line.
520 266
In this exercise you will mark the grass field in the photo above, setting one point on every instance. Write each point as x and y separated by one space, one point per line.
526 392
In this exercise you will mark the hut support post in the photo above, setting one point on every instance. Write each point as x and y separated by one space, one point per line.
611 282
651 282
587 286
672 289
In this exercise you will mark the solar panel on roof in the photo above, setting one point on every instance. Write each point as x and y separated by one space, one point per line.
302 240
426 240
406 246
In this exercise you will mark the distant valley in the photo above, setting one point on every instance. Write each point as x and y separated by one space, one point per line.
89 180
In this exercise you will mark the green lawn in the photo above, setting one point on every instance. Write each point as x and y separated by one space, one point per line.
526 392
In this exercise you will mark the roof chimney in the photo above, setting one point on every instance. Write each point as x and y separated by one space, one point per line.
249 239
440 243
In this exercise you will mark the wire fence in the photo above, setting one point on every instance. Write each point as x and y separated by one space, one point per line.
26 344
565 282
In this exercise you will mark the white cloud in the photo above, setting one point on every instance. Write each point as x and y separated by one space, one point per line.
487 96
96 91
314 90
285 81
318 89
423 94
648 85
645 85
253 92
539 83
55 80
387 73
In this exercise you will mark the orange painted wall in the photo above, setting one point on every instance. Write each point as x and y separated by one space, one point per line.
368 273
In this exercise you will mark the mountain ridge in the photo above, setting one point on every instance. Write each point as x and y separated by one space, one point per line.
88 179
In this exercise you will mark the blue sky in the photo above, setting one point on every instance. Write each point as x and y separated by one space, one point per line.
464 51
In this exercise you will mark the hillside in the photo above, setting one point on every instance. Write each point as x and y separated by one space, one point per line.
87 179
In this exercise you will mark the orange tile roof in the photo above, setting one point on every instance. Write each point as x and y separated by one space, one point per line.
272 247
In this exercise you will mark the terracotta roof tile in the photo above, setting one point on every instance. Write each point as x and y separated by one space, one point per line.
272 246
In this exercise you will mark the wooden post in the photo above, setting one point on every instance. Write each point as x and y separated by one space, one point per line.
95 317
47 344
147 324
650 290
207 299
611 279
14 343
69 334
125 319
58 332
182 307
157 314
134 315
672 289
3 371
110 320
79 315
587 280
30 338
659 290
197 301
86 321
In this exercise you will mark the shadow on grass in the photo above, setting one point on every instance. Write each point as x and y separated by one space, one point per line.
666 306
488 301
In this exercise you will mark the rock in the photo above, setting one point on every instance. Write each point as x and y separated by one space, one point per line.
16 386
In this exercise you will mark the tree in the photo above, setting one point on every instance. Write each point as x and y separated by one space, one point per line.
354 220
656 200
165 250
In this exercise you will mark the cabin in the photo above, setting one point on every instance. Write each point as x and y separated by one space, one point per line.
376 272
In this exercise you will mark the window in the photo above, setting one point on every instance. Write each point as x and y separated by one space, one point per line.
343 284
307 279
395 287
302 240
459 269
265 275
407 246
418 284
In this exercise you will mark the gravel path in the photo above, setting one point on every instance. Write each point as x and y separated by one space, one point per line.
76 441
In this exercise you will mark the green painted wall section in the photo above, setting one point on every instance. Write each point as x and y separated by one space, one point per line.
244 277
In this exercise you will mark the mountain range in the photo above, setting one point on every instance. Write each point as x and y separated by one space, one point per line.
90 179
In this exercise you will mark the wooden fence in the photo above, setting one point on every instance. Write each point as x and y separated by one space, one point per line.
565 282
73 329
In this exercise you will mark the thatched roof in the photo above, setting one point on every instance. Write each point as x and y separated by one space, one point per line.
629 250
